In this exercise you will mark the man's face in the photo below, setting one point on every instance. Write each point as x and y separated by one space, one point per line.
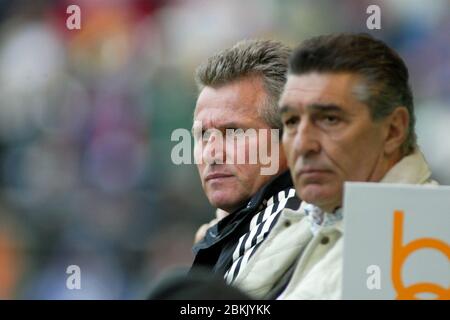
231 106
329 137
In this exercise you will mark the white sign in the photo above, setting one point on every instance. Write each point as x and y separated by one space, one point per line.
396 241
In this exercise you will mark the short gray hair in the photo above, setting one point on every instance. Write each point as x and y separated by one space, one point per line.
265 58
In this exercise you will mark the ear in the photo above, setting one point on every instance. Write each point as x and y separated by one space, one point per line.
397 130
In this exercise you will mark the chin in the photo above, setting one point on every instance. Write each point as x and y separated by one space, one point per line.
220 201
228 204
319 195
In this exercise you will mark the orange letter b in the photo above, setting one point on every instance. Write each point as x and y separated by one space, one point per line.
399 254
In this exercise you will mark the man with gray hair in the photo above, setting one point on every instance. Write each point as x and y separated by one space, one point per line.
238 92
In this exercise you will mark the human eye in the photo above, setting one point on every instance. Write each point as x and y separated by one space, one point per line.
206 134
238 132
290 121
234 132
330 120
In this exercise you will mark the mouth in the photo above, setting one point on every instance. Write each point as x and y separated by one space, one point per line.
217 176
312 173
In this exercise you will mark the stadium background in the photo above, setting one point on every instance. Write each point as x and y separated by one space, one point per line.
86 117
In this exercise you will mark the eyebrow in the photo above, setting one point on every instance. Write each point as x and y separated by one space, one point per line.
286 108
314 107
324 107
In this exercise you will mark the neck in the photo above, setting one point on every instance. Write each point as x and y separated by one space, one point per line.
385 163
329 209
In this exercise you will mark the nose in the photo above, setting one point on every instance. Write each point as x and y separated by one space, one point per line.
306 140
213 149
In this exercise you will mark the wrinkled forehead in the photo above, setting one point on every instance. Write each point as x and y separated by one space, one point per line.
214 116
326 88
224 107
232 103
220 118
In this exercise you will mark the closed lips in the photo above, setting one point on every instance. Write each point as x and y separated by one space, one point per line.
312 171
217 176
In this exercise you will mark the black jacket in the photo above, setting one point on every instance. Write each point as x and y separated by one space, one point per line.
216 249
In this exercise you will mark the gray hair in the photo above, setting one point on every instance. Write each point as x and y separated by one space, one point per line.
265 58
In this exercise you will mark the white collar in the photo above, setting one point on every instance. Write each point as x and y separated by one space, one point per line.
412 169
319 219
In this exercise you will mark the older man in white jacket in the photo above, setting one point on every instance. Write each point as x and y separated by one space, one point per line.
347 112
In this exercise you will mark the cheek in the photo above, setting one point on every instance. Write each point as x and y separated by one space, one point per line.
197 152
247 177
287 146
240 151
241 172
200 168
356 159
252 147
231 147
198 159
267 139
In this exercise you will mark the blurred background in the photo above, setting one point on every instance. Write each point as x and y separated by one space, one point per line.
86 117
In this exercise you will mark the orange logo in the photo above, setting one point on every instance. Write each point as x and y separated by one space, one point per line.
399 254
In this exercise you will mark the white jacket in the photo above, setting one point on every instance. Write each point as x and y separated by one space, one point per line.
318 272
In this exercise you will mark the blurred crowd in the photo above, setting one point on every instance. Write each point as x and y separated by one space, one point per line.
86 117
